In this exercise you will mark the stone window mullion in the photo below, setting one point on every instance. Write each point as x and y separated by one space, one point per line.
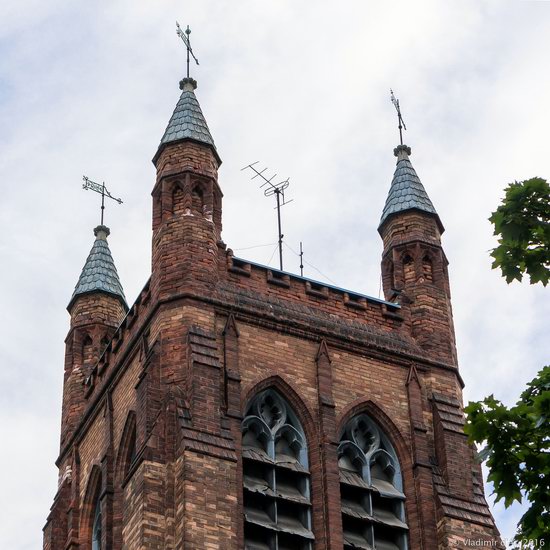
370 485
276 477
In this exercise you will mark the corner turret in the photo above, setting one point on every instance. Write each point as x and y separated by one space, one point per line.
97 307
187 201
414 266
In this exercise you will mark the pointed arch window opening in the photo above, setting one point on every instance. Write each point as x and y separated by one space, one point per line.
178 200
408 269
277 499
197 199
373 507
427 268
96 527
87 351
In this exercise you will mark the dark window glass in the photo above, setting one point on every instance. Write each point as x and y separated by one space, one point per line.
373 510
96 528
277 501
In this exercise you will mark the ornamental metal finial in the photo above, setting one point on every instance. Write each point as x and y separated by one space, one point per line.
400 120
184 35
102 190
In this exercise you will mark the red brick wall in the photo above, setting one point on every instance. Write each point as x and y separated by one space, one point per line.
206 334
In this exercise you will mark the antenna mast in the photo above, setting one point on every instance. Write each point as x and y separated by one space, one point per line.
400 120
184 35
277 189
102 190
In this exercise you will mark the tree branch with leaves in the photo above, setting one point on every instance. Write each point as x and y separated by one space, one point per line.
523 223
516 439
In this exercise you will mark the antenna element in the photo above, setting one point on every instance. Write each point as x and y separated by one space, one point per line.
102 190
184 35
400 120
277 189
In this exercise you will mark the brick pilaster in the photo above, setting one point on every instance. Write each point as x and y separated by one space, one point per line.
332 516
424 526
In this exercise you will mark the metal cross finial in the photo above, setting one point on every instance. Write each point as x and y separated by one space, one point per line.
187 41
102 190
402 126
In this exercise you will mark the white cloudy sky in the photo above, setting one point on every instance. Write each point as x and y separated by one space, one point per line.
88 87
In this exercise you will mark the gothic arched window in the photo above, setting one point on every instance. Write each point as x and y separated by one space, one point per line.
408 269
197 199
373 508
96 527
87 350
178 200
127 447
427 268
277 501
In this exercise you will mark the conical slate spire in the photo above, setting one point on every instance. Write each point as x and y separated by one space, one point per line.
187 121
99 273
406 190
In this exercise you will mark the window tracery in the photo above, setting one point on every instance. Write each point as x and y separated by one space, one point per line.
96 527
373 511
277 501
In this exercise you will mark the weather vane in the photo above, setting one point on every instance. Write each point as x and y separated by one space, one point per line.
184 35
277 189
402 126
102 190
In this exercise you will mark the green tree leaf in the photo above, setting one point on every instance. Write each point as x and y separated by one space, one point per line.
517 449
522 222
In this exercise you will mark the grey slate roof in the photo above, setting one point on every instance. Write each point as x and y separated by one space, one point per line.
187 121
99 273
406 190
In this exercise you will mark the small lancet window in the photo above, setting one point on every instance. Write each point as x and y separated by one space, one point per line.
104 344
277 501
408 269
178 201
96 527
197 199
87 350
373 511
391 274
427 269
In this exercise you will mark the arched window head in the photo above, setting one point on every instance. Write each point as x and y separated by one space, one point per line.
408 269
178 200
127 447
373 511
104 343
96 527
391 274
87 350
197 199
427 269
277 501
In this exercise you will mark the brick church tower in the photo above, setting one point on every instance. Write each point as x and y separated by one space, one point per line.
235 406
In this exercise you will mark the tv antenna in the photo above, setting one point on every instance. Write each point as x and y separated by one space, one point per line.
184 35
277 190
102 190
402 126
301 260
